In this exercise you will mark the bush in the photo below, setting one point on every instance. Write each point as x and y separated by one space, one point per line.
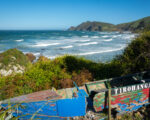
13 56
135 57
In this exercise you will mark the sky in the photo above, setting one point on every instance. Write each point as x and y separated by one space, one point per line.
61 14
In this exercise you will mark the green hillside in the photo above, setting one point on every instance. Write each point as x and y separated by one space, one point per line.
94 26
135 26
138 25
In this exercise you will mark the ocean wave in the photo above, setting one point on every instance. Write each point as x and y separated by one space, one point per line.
114 36
85 36
65 47
95 37
105 36
20 40
45 44
36 54
128 37
84 40
102 51
107 40
90 43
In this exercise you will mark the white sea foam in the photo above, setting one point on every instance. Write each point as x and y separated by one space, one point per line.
36 54
19 40
119 35
25 52
102 51
84 40
107 40
128 36
105 36
45 44
114 36
85 36
90 43
65 47
95 37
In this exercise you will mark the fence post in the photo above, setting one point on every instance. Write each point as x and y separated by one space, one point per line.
109 103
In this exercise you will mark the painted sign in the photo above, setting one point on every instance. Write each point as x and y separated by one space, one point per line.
127 98
125 89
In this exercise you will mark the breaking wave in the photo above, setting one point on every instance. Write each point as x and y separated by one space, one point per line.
95 37
103 51
45 44
19 40
129 37
85 36
107 40
90 43
65 47
105 36
84 40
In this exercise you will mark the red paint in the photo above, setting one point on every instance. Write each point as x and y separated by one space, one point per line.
52 105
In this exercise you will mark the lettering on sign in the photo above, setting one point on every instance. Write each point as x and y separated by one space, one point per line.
130 88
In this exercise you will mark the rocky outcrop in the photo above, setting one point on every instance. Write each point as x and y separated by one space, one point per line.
12 61
30 57
12 69
43 58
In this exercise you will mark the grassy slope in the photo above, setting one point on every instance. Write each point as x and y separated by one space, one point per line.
94 26
135 26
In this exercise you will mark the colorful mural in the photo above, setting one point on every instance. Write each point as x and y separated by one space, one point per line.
127 101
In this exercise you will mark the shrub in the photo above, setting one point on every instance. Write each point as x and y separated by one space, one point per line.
13 56
135 59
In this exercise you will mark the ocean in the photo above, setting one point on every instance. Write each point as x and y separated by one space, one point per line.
96 46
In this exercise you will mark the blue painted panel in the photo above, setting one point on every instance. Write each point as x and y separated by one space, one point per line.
45 110
72 107
82 93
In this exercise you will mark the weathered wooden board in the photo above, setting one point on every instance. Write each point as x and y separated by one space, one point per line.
127 98
93 86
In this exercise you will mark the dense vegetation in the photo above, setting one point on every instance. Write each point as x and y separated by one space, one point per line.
135 26
94 26
14 57
60 72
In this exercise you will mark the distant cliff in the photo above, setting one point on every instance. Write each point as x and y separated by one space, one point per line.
135 26
94 26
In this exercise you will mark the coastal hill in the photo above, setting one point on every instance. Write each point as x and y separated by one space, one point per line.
137 25
134 26
94 26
